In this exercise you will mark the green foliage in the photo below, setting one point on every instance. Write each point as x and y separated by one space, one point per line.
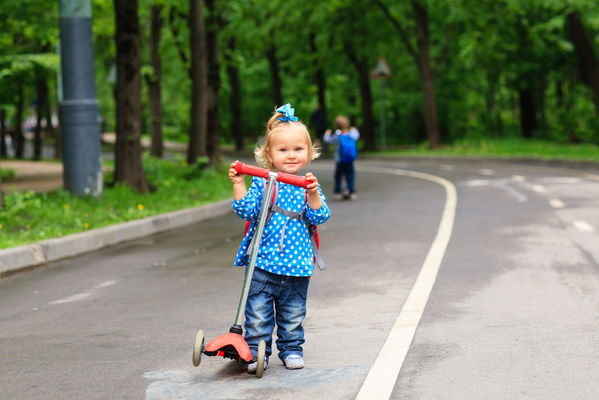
6 174
28 217
484 52
505 148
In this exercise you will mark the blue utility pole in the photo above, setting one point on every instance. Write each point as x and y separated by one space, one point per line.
78 112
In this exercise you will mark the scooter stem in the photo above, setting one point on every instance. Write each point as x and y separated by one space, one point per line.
249 270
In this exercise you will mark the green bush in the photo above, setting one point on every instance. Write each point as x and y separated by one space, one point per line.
7 174
508 148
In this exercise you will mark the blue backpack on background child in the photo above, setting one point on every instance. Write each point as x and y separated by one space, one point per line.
345 139
348 150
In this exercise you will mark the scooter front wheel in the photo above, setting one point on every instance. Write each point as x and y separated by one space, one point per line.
261 356
198 346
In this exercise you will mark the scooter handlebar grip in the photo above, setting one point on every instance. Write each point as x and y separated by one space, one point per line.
294 180
242 168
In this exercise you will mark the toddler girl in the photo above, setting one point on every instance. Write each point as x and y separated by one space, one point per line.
284 264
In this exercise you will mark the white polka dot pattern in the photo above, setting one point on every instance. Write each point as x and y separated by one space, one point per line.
296 259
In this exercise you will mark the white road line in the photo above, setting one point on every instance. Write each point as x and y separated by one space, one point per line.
487 172
538 188
478 182
382 376
84 295
104 284
518 178
521 197
75 297
583 226
556 203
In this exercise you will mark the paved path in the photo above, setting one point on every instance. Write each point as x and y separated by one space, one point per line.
513 312
39 176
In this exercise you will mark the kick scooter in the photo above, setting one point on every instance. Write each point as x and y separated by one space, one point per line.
232 344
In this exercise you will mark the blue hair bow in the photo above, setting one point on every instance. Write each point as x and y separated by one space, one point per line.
287 112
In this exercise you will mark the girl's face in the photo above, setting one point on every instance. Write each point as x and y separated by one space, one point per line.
288 150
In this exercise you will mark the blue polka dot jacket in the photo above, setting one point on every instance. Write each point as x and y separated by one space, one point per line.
293 256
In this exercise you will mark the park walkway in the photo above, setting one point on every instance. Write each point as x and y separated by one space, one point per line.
45 176
39 176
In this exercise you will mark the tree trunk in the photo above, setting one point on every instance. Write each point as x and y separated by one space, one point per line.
199 85
528 111
214 25
366 95
153 80
320 79
367 128
275 73
19 137
128 152
426 74
3 148
587 60
319 75
42 99
235 99
50 130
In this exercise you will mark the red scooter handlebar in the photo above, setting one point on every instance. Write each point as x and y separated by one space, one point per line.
291 179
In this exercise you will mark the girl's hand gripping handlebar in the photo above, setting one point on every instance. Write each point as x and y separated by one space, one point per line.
291 179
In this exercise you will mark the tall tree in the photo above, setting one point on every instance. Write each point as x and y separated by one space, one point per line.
422 59
214 24
361 66
128 151
153 80
275 73
41 106
354 44
198 146
587 59
3 132
19 136
235 96
319 75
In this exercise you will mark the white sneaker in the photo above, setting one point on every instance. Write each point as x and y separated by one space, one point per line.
253 366
294 362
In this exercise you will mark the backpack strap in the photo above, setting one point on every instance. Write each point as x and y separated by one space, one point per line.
290 215
312 229
318 260
315 239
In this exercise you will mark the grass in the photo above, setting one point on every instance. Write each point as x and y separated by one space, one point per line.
28 217
6 174
504 148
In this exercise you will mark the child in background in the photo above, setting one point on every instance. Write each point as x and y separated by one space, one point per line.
344 138
284 264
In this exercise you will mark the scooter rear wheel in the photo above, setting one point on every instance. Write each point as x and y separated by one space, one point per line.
198 346
261 356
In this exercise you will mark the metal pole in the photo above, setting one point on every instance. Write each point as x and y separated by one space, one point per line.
78 111
249 270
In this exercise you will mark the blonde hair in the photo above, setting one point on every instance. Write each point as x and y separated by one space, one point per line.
342 122
274 123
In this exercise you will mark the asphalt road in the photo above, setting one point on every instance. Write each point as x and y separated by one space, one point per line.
513 313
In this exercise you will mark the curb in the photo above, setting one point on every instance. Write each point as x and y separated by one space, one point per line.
21 258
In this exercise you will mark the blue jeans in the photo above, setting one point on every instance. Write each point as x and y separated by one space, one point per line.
344 169
276 299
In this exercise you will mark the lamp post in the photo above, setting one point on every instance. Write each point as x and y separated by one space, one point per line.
78 110
381 72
